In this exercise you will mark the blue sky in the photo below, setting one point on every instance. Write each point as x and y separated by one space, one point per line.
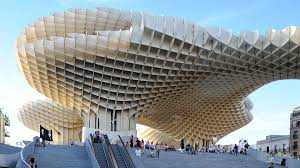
272 103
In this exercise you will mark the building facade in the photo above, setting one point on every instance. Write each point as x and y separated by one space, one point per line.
274 144
118 68
4 122
295 133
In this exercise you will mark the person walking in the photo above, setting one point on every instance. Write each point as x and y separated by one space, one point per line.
196 148
131 141
157 150
142 146
235 148
246 147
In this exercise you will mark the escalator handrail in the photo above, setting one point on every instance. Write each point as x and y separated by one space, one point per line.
127 153
110 152
91 152
123 157
108 160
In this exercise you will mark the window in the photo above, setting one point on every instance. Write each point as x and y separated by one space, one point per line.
111 118
295 146
115 121
95 122
295 135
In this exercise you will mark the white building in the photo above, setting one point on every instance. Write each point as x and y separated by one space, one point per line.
274 143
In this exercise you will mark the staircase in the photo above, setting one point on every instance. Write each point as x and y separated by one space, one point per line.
7 149
58 156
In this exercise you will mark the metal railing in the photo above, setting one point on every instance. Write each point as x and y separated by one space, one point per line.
131 164
91 152
110 151
107 159
119 151
24 154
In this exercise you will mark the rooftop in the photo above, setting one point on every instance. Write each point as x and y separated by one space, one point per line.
273 138
296 112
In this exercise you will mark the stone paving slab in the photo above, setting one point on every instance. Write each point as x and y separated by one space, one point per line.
201 160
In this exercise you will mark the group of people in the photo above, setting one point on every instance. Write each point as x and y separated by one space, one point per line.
242 148
216 149
190 149
97 137
142 147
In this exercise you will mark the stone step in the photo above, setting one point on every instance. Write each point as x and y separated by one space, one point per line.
58 156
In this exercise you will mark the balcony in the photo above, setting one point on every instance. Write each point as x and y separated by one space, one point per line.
295 136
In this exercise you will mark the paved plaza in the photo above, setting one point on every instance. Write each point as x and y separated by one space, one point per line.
201 160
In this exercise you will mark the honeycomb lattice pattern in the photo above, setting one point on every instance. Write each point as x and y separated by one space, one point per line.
66 124
155 136
182 79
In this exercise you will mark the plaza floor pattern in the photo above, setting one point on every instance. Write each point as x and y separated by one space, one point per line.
201 160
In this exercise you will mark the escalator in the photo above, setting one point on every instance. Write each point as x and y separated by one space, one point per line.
120 154
121 159
102 156
112 155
